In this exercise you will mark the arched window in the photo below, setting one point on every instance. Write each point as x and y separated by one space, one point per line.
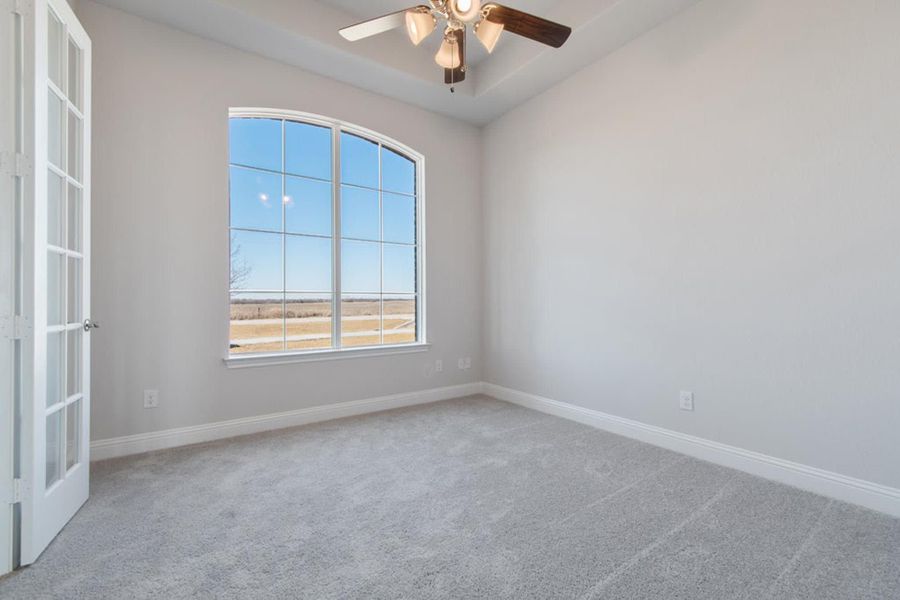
325 236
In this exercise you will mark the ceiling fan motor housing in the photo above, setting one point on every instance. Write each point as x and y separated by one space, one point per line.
465 10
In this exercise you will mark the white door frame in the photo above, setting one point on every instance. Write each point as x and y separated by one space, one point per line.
9 21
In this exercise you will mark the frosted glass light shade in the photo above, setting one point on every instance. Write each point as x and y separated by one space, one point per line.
488 33
419 25
448 55
465 10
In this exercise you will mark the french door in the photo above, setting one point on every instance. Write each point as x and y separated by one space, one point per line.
56 397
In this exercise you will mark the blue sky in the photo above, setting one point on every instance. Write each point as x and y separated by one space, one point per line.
257 202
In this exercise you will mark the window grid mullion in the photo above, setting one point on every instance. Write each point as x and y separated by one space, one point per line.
381 245
336 292
283 247
312 178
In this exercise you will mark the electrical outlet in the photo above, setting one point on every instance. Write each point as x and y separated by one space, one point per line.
151 398
438 366
686 402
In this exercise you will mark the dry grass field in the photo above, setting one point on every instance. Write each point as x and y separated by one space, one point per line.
265 327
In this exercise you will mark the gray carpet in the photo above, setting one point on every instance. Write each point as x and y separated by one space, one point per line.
471 498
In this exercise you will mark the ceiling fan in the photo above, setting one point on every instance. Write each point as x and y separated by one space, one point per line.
487 21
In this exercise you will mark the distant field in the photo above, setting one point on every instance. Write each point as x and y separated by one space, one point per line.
272 310
262 326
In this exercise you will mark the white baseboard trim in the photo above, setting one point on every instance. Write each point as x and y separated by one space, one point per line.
183 436
826 483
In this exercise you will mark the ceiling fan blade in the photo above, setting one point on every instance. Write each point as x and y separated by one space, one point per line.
529 26
377 25
458 74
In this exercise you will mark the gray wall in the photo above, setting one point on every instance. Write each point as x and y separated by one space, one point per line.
160 213
713 208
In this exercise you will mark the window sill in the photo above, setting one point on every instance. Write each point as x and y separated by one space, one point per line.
287 358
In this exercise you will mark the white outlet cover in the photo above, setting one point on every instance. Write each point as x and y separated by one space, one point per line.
686 401
438 365
151 398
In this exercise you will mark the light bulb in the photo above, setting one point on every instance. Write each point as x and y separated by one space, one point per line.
465 10
419 24
448 55
488 33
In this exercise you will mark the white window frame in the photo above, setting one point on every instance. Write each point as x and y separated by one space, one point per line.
338 127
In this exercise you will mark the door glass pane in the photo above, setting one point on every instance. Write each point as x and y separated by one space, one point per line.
256 261
360 269
359 214
307 264
74 140
308 321
398 173
307 206
399 218
255 143
56 127
361 320
257 323
73 305
359 161
56 269
73 433
255 199
74 218
56 198
307 150
55 60
75 72
399 319
399 269
54 447
55 357
73 362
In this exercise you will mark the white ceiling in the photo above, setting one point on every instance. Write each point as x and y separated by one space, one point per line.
304 33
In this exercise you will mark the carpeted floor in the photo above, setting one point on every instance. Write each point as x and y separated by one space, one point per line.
470 498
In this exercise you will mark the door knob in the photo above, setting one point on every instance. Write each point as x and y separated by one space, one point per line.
88 325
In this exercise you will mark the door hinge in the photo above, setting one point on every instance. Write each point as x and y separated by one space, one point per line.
23 165
21 327
18 491
15 328
15 165
20 7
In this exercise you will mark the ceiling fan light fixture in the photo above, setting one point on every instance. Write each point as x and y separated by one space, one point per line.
487 19
488 33
448 56
465 10
419 24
